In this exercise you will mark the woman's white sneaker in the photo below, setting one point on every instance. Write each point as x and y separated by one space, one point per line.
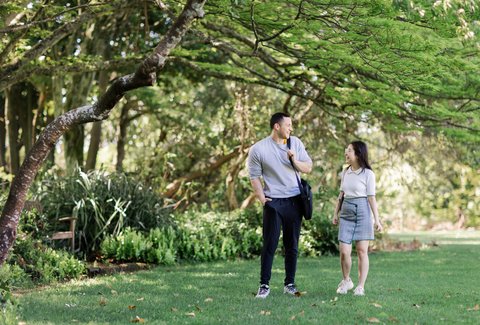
359 291
344 286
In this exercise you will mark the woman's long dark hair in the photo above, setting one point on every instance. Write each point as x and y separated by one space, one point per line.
361 151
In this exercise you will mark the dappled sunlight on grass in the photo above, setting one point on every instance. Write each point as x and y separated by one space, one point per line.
425 286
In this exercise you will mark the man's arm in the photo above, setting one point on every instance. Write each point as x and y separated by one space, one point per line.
258 190
303 166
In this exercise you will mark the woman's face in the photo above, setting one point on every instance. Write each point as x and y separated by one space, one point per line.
350 157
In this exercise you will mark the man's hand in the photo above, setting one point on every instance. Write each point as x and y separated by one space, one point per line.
265 200
291 154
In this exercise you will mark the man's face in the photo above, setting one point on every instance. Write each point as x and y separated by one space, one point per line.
285 128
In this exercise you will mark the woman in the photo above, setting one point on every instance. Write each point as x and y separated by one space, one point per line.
357 197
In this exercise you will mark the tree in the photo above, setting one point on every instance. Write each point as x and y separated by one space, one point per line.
144 76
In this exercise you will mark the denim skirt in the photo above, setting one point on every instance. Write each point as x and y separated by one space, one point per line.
355 220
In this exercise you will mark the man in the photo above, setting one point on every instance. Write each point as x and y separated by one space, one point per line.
280 197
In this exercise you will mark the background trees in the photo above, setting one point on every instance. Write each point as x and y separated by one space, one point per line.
403 76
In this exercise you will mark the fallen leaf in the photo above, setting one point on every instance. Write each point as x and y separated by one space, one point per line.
292 318
140 299
416 305
314 305
265 312
114 292
102 301
302 313
198 308
132 307
174 309
208 300
192 314
373 320
393 319
138 320
377 305
474 308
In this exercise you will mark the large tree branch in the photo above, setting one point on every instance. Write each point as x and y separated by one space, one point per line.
215 164
144 76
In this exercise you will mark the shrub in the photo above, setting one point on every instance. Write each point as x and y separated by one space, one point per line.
197 236
8 308
319 237
43 264
104 204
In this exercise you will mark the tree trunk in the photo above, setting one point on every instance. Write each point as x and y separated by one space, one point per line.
74 138
26 116
144 76
13 104
122 137
122 132
3 133
96 132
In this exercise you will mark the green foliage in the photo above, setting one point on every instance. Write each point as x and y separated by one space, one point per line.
157 247
209 236
8 306
197 237
12 276
319 237
43 264
103 203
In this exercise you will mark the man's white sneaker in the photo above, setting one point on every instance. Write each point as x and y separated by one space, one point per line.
263 291
344 286
290 289
359 291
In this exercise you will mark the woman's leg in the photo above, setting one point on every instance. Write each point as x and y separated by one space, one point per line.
363 263
346 259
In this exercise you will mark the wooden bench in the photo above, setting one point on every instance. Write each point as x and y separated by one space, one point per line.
59 235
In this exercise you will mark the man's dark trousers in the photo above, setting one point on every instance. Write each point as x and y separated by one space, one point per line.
279 214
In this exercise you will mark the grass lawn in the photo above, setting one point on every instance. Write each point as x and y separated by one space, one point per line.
439 285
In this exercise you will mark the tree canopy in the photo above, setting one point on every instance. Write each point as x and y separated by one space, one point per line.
393 71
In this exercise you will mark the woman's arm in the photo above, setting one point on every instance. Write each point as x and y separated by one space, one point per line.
373 205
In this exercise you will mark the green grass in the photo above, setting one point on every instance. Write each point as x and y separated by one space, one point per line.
447 237
433 286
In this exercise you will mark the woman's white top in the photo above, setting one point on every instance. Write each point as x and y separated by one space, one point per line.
359 183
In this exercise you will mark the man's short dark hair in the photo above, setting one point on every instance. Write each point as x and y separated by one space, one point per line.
277 118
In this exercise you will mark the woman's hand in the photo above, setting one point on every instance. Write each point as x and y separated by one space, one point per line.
378 226
335 220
